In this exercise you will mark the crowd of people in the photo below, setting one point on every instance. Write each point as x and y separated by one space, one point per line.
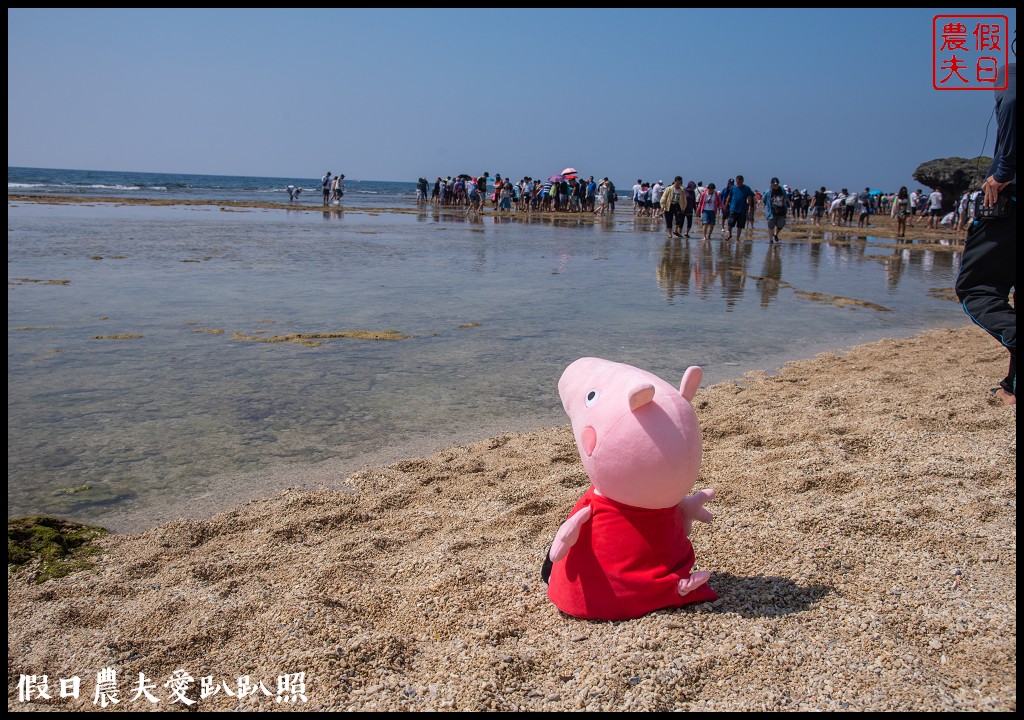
736 204
561 193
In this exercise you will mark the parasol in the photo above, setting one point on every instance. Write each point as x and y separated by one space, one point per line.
464 176
569 171
556 178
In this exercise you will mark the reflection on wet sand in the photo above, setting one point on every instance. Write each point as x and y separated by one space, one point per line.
729 267
771 276
674 269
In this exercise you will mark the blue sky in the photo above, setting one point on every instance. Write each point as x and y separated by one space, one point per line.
817 97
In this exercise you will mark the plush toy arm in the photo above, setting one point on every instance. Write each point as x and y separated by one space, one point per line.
693 509
688 585
568 534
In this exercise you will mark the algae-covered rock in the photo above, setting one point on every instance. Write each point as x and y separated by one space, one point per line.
50 546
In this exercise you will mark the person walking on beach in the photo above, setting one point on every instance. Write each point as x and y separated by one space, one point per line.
672 204
776 207
339 188
691 205
818 206
708 207
901 211
915 203
602 197
591 200
835 210
988 267
864 208
726 196
934 208
739 205
657 190
849 206
325 185
481 189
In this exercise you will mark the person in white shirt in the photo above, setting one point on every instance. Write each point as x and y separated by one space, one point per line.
637 205
915 202
935 209
656 192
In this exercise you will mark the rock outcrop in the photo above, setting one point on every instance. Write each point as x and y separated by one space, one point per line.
953 176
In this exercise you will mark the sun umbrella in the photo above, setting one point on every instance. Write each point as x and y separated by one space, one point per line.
556 178
464 176
570 171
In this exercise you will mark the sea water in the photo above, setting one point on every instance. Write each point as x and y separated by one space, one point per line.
143 384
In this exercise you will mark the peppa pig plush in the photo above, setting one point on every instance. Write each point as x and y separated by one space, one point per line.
625 549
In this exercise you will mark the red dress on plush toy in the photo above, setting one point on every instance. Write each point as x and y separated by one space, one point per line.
625 549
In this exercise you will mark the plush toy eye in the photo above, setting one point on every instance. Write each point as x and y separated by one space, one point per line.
592 397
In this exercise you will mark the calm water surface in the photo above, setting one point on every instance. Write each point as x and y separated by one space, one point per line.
135 367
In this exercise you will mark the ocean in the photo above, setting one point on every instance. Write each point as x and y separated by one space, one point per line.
85 184
175 360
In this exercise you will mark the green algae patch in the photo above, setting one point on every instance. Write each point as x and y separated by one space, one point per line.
211 331
51 547
943 294
126 336
469 325
74 490
313 339
840 301
25 281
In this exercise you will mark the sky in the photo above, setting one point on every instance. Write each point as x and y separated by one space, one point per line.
833 97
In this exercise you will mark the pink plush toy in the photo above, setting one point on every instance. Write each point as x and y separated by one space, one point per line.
625 549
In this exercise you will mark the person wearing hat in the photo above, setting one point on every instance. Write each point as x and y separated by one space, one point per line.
776 207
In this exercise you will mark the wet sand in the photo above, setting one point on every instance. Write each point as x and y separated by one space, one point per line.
864 551
881 226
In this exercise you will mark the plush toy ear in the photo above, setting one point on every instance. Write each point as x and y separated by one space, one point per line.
691 381
640 396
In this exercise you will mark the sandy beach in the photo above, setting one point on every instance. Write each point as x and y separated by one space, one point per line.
863 547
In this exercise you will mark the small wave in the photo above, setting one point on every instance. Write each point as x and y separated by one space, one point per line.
99 186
